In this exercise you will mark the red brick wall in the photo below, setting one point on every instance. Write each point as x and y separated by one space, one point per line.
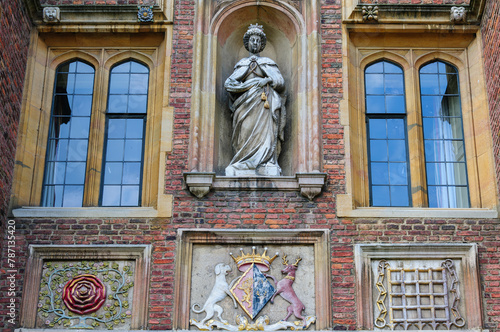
14 40
491 41
418 2
96 2
264 210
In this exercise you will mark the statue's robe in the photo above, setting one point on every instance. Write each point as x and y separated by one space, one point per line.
257 130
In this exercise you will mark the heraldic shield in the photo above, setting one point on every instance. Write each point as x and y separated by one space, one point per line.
252 291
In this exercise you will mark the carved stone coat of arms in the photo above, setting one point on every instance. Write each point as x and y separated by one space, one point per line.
250 292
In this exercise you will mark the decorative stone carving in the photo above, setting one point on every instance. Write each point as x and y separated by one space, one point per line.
145 14
51 14
370 13
257 93
418 287
418 297
458 15
252 291
73 294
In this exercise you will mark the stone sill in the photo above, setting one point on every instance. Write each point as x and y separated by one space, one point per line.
345 210
309 184
87 212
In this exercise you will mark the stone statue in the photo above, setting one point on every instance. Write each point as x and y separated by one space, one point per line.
256 90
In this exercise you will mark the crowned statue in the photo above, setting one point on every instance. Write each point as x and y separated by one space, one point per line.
257 103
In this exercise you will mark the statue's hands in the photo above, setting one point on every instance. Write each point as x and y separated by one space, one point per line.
265 81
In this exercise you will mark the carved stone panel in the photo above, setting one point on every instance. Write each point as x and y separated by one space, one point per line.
417 287
269 280
86 287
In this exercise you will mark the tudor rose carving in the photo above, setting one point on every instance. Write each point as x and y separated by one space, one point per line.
256 88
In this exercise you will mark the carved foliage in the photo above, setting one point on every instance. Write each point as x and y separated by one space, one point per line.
73 295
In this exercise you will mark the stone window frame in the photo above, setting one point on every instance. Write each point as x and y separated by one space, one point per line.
186 238
307 174
365 46
38 254
364 254
47 53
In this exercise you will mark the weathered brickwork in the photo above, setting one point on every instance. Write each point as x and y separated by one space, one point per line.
96 2
271 209
14 40
491 40
417 2
345 233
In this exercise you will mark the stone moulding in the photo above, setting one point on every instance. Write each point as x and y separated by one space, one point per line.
187 239
309 184
38 254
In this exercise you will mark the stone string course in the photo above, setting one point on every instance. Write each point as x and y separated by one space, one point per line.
491 55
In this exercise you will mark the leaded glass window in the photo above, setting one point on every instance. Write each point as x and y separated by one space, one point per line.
387 138
445 160
125 132
66 158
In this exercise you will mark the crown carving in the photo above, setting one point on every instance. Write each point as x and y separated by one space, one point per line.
263 261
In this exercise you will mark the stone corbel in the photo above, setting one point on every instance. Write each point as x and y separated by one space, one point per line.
311 184
199 183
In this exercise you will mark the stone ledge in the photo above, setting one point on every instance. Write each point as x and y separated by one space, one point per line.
345 209
309 184
89 212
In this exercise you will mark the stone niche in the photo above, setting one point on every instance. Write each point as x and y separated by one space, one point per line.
250 265
293 43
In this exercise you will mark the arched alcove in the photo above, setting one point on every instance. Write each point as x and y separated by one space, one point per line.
293 43
280 47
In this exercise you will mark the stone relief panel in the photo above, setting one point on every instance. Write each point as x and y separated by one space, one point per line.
87 295
86 287
418 295
251 288
418 287
269 280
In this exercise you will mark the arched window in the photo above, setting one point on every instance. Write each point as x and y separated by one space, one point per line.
67 147
125 131
445 162
386 132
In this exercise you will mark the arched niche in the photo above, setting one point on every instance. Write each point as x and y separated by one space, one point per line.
280 47
293 43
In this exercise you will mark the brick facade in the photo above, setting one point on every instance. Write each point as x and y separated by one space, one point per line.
15 29
96 2
260 209
491 40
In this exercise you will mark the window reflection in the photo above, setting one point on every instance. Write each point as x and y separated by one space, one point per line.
125 130
67 145
443 136
386 128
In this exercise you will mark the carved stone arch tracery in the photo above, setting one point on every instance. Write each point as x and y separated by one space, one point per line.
74 55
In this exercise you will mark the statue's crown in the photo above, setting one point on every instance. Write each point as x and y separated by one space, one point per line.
263 261
256 26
